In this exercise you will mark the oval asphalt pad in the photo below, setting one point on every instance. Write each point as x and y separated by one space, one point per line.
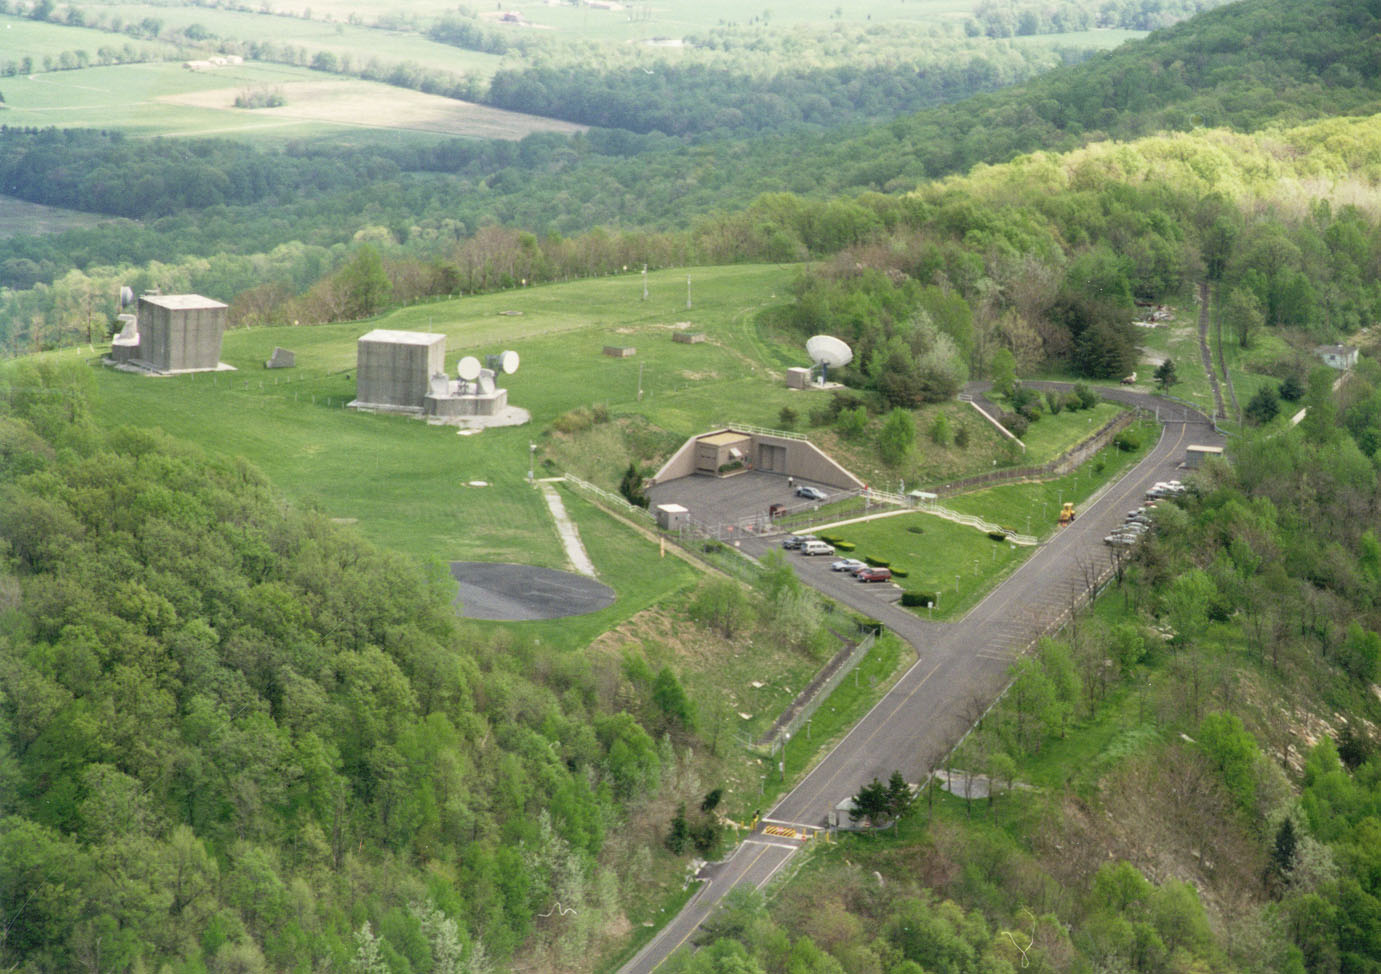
521 593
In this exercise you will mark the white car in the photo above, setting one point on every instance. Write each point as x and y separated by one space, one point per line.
849 565
817 548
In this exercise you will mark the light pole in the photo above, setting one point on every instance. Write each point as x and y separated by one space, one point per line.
531 460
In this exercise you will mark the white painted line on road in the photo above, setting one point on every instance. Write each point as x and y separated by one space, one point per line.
789 847
768 878
867 740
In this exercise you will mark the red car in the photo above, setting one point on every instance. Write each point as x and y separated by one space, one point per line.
873 574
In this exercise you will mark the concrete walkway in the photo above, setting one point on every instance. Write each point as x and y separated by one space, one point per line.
570 535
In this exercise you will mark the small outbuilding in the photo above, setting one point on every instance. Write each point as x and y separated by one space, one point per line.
721 453
1195 454
797 378
672 517
1342 357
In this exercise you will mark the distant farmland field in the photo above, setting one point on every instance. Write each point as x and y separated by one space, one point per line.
362 103
166 99
18 217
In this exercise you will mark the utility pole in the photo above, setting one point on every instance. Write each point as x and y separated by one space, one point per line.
644 282
688 291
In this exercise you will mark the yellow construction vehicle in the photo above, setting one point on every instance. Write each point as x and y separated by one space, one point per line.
1067 514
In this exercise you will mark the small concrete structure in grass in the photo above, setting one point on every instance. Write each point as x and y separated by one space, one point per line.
1341 357
281 359
688 337
798 378
672 517
171 334
1195 454
620 351
405 372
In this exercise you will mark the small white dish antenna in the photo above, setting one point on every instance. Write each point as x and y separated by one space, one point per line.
468 368
828 352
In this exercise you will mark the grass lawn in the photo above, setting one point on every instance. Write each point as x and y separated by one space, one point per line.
1051 435
1034 507
957 563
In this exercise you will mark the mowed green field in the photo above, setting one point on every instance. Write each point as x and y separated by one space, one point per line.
404 482
316 34
21 37
164 98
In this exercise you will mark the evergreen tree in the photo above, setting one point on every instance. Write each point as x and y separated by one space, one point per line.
1165 375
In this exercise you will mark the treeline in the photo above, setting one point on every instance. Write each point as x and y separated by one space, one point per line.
1005 18
234 736
1044 256
690 98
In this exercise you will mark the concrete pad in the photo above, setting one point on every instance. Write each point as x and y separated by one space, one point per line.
521 593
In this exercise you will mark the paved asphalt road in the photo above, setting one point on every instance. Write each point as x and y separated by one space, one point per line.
962 667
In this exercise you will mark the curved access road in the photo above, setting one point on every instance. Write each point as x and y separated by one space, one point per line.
961 668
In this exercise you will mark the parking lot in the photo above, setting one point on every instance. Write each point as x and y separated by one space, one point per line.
815 571
742 500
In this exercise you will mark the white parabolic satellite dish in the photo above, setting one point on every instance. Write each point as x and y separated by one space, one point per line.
829 351
468 368
508 362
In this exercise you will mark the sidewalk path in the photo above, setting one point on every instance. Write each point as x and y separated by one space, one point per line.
570 536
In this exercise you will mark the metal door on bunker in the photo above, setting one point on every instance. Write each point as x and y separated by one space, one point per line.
771 459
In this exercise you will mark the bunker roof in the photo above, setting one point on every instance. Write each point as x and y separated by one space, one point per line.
401 337
182 302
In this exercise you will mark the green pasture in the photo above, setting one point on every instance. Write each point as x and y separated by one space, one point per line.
126 96
1052 435
404 482
358 42
21 37
1034 507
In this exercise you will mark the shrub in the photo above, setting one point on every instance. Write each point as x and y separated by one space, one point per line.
867 623
576 421
1127 441
877 562
1016 424
940 432
899 573
787 418
844 546
731 465
1055 402
599 413
913 599
916 529
1087 397
820 417
829 538
998 535
961 436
